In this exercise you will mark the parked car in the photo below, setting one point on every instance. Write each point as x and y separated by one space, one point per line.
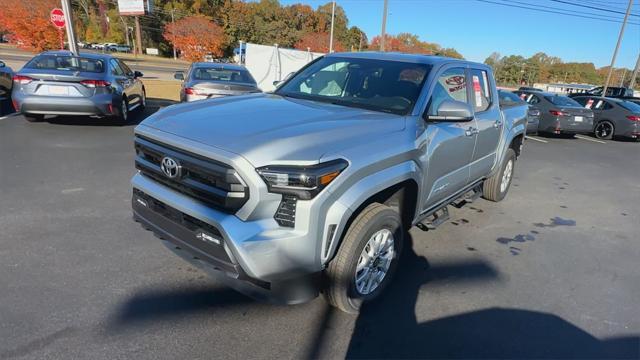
509 99
528 88
612 91
559 114
60 83
6 84
97 46
118 48
313 186
613 117
206 80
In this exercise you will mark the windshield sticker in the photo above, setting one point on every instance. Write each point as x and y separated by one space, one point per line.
477 90
455 83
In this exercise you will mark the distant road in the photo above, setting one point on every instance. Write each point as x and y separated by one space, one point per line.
162 69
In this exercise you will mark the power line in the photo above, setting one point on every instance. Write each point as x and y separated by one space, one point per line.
554 12
561 9
593 7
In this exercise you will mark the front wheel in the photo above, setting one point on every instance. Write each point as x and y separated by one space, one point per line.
604 130
496 187
366 260
123 116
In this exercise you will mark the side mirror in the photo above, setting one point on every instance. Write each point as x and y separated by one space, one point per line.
275 83
452 111
2 64
137 74
179 76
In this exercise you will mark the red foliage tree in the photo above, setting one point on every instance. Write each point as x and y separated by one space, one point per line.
318 42
28 23
195 36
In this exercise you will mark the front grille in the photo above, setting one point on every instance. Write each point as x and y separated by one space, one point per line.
212 182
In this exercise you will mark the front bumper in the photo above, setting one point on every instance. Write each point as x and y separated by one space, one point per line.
251 256
98 105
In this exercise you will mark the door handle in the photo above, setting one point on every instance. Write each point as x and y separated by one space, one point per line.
498 123
471 131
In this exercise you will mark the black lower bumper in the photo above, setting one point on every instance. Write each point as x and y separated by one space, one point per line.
183 235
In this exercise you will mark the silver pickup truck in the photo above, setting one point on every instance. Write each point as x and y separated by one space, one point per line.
311 189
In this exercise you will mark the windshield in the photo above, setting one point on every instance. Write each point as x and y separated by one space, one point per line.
562 101
633 107
379 85
71 63
225 75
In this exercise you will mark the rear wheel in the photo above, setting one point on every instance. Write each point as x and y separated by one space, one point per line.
496 187
123 115
604 130
366 260
33 117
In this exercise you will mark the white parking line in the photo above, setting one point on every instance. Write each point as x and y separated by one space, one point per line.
590 139
536 139
8 116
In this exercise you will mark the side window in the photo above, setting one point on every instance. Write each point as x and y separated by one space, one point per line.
115 68
582 101
451 85
607 106
127 70
481 94
533 99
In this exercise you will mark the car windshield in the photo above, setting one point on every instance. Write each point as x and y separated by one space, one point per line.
633 107
70 63
226 75
379 85
562 101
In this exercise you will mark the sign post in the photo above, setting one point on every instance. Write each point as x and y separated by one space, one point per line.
57 19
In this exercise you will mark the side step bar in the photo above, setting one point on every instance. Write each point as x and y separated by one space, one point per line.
441 215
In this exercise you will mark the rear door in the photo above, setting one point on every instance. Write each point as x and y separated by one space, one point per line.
448 146
488 122
124 83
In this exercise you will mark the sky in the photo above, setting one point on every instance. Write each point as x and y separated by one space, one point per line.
476 29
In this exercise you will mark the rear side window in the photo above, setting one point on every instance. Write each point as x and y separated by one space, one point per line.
115 68
633 107
562 100
451 85
66 63
480 90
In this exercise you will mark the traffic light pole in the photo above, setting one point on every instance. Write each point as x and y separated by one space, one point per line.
71 33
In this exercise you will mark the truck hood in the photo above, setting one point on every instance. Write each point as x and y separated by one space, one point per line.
267 128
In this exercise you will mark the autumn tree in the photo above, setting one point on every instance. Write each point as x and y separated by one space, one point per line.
318 42
195 36
28 23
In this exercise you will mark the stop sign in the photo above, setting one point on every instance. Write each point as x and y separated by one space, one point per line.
57 18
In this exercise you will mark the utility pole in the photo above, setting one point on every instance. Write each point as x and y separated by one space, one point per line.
615 52
138 36
383 34
173 22
126 31
635 73
71 33
333 16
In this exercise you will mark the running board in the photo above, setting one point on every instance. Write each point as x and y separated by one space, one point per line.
468 197
434 220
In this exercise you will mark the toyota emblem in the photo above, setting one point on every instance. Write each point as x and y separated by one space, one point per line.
170 167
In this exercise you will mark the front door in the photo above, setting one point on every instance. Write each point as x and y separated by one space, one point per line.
448 146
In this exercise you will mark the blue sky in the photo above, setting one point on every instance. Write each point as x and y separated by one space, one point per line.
477 28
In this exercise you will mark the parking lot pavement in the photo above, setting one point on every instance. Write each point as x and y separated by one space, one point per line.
552 271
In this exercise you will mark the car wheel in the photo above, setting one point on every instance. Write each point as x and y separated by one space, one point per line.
366 260
143 100
496 187
604 130
33 117
123 117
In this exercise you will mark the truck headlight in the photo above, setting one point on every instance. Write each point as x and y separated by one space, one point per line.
304 182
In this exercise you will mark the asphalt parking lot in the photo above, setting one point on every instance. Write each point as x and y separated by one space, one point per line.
550 272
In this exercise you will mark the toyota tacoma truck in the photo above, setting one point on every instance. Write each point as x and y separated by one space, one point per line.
311 188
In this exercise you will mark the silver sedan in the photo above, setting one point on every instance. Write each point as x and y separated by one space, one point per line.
212 80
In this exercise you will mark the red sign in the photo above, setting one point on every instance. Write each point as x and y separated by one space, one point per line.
57 18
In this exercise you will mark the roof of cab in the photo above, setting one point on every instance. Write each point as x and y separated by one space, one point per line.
396 56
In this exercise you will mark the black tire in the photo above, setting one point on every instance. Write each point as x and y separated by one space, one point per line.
143 100
123 111
341 290
604 130
33 117
492 188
